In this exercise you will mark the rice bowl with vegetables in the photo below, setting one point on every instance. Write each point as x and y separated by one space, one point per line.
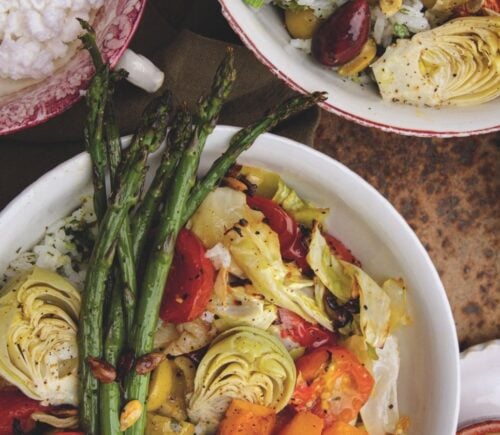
179 339
268 321
400 45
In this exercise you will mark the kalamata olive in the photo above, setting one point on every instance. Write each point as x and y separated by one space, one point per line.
341 315
342 36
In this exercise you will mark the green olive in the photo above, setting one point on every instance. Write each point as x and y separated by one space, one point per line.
301 24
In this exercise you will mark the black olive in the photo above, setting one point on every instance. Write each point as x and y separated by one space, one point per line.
341 314
342 318
352 305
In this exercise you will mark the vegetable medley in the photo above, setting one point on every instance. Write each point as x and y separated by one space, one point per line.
421 52
267 322
213 305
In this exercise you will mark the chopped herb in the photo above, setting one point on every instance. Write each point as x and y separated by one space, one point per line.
255 3
401 31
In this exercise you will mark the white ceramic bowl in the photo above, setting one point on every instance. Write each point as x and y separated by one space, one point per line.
480 380
360 216
264 33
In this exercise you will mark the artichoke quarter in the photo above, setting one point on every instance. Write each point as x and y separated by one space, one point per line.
456 64
38 348
245 363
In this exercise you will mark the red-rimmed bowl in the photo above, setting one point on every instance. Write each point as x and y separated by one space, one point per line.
115 24
264 33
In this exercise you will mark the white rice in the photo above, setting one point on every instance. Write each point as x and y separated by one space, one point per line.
60 249
301 44
411 16
35 34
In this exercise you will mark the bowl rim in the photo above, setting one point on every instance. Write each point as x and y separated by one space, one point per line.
77 94
247 40
378 202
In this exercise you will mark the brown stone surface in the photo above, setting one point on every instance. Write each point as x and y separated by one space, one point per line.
449 192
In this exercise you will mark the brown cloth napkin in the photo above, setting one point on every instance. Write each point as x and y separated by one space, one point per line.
187 40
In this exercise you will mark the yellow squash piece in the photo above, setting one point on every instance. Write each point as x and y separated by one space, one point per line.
188 370
301 24
456 64
361 61
170 383
131 412
161 385
161 425
390 7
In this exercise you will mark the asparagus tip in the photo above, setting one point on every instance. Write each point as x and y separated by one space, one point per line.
86 26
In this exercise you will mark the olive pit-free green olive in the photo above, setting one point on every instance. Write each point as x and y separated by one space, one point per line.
301 24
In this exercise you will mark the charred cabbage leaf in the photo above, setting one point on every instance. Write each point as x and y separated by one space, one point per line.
380 414
328 268
240 305
255 249
396 290
454 64
346 281
245 363
218 213
38 348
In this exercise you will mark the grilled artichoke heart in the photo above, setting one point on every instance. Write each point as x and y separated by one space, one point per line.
456 64
38 348
245 363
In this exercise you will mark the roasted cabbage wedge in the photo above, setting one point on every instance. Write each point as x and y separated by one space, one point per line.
38 348
240 305
456 64
245 363
328 268
396 290
218 213
256 250
345 281
380 414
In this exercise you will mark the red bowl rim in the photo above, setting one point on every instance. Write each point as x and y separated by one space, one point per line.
77 94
